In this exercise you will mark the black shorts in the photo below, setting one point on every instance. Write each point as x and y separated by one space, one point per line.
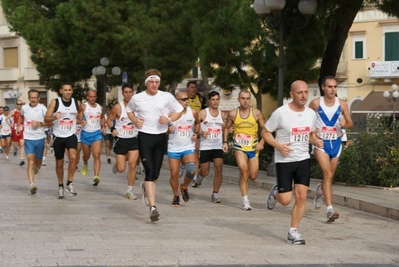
210 155
124 145
62 143
108 137
298 171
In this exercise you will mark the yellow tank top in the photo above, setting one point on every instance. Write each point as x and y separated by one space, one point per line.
245 132
195 103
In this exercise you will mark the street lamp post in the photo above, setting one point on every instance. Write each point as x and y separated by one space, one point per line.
102 77
393 97
274 15
14 93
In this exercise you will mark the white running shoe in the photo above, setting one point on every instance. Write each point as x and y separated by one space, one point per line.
246 205
70 189
318 200
130 195
144 197
295 238
271 199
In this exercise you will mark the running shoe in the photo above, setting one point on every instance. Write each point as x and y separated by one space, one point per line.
77 168
197 181
35 170
130 195
144 197
15 153
215 198
332 215
1 150
295 238
318 200
67 160
32 189
84 170
114 169
51 150
246 205
96 180
176 201
271 199
154 214
70 189
60 192
7 158
22 162
109 160
184 194
43 163
138 170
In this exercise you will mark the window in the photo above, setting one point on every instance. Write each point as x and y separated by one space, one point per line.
359 50
391 46
11 57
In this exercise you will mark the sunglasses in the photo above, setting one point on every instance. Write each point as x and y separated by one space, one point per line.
19 104
183 99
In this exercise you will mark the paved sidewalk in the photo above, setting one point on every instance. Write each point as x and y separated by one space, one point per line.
99 227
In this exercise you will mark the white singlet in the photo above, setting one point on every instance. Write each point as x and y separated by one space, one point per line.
213 125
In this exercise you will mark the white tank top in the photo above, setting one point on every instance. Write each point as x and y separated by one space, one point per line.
125 128
5 129
213 125
180 139
78 131
65 126
92 116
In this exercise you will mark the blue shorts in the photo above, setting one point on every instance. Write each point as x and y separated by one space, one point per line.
180 155
35 147
250 154
89 138
332 148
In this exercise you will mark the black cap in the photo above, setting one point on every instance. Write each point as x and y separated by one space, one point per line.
6 108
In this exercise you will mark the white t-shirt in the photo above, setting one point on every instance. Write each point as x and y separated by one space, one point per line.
294 128
33 114
151 107
5 129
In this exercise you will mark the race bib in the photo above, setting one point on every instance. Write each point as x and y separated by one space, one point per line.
30 127
243 139
94 119
66 125
184 131
127 130
300 134
214 133
329 133
78 132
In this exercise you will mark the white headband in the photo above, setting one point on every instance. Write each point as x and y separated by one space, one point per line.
152 77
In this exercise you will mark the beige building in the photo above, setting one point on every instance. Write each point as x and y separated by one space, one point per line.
17 72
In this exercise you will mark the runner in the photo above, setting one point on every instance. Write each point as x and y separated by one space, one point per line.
126 142
295 125
211 142
332 116
17 134
152 108
5 132
32 117
62 113
183 133
91 117
247 145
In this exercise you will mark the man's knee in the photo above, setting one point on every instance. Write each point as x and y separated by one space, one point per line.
190 170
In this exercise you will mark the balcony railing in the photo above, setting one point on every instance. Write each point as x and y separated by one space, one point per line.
9 75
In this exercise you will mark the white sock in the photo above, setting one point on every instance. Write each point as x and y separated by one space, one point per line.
44 158
330 208
129 188
292 229
245 198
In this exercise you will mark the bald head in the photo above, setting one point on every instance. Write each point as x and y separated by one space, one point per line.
299 94
298 84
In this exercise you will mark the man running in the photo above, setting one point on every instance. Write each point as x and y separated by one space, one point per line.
91 117
126 141
5 132
247 145
211 142
183 133
332 116
32 116
295 125
17 134
62 112
152 108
